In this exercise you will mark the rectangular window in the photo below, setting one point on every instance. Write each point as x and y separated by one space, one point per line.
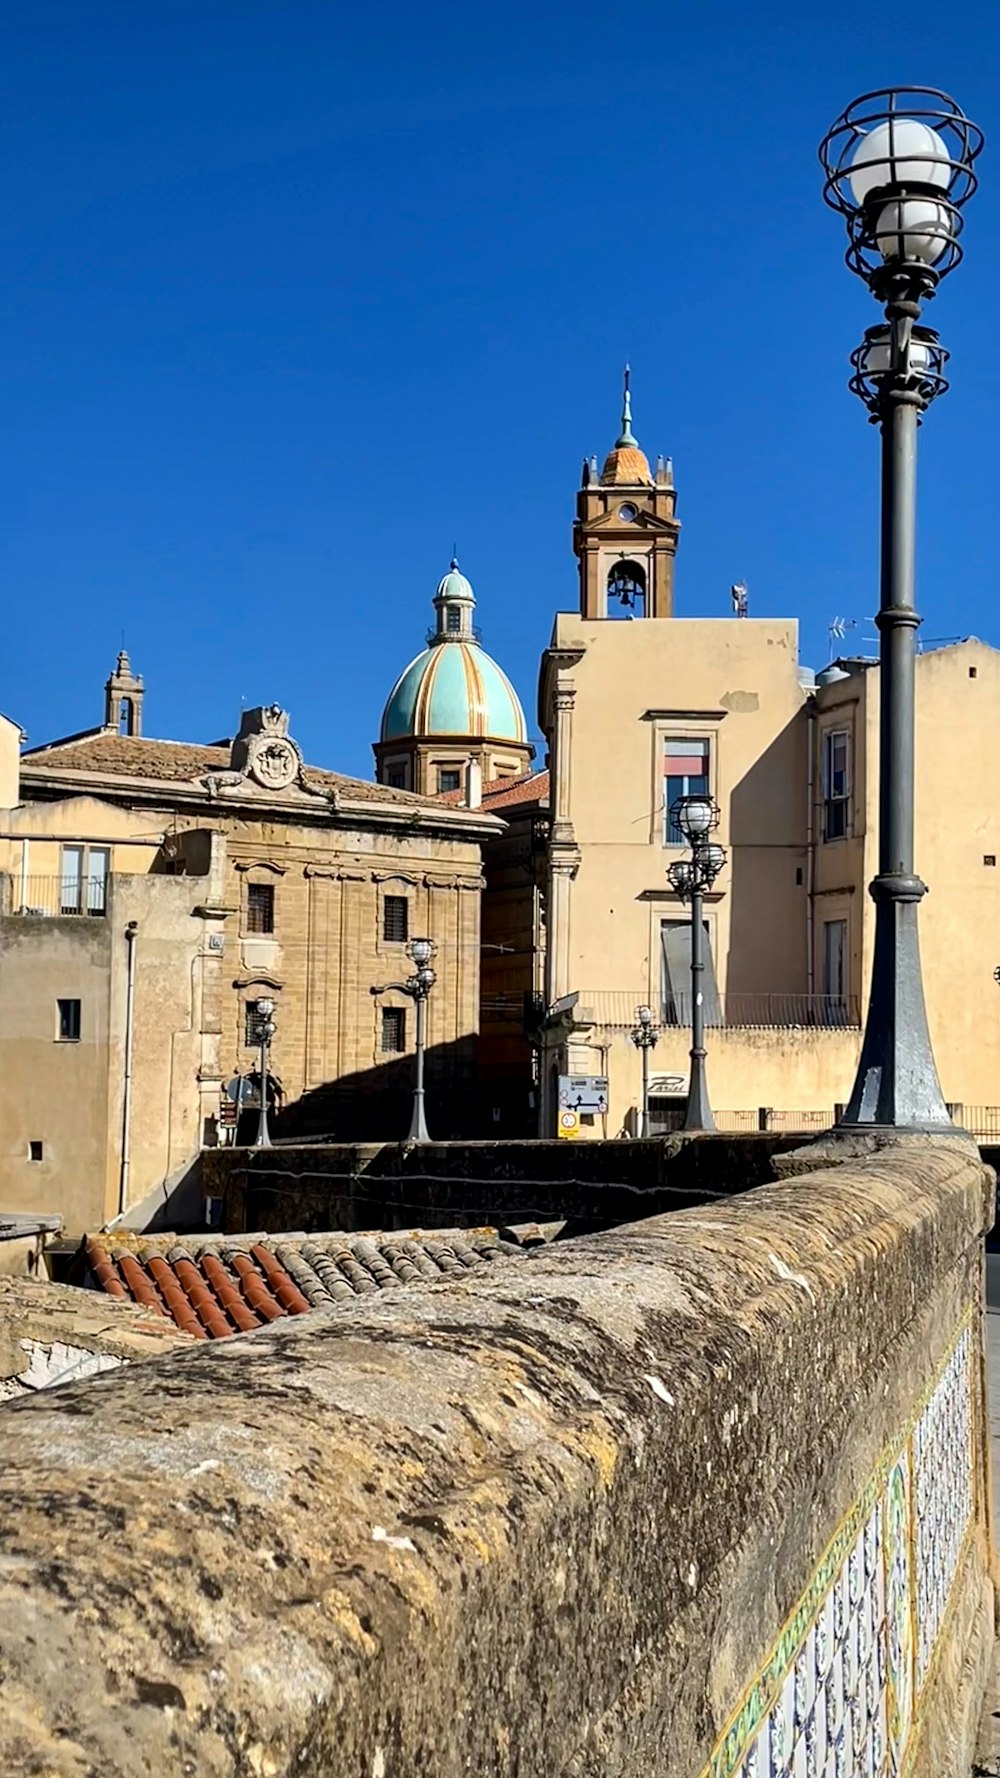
68 1020
70 892
393 1030
98 866
36 1151
675 941
835 970
395 919
685 773
454 623
260 907
397 778
836 783
449 778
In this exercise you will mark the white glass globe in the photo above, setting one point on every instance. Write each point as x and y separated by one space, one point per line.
915 228
695 817
879 159
878 356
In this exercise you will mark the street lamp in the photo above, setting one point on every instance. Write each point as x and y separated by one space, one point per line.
899 168
697 817
645 1037
417 987
265 1032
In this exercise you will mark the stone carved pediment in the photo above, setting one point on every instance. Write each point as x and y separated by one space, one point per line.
644 522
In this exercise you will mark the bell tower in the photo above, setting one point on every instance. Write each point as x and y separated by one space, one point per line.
123 694
625 534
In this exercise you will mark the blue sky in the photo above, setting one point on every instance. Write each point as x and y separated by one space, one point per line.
296 295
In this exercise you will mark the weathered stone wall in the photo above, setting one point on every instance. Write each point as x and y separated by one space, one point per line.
583 1519
463 1184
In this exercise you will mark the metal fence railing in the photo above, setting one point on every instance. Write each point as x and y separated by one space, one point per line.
54 897
668 1114
981 1121
615 1009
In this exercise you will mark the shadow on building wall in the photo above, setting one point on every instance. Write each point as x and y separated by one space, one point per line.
375 1104
766 875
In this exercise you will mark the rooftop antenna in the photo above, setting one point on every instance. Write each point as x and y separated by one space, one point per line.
837 629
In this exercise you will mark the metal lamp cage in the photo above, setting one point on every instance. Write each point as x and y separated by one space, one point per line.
870 252
872 364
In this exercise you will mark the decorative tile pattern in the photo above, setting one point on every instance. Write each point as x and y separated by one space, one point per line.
837 1697
942 1483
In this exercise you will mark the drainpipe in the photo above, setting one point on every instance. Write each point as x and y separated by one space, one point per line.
810 847
131 934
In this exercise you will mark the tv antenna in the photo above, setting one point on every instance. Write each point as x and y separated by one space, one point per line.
837 629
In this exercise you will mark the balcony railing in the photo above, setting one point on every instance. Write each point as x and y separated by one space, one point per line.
614 1010
56 897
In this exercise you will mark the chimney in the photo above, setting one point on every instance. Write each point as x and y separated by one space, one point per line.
473 784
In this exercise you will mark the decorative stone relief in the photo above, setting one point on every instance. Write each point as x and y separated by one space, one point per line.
840 1692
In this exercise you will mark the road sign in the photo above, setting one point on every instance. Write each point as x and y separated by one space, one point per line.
584 1092
569 1124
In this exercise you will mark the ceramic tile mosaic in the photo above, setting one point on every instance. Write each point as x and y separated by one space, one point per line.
837 1697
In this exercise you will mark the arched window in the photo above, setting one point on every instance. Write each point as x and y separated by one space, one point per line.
626 593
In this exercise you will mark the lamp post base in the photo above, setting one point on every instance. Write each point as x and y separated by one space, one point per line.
698 1115
418 1123
897 1086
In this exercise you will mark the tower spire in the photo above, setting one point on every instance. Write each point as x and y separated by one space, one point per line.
626 436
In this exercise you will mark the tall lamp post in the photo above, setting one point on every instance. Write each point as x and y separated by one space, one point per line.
899 168
645 1037
416 988
265 1034
697 817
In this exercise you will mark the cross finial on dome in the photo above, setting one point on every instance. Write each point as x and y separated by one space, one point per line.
626 436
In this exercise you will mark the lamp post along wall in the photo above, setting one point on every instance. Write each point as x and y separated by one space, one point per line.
697 817
899 168
645 1037
417 987
265 1032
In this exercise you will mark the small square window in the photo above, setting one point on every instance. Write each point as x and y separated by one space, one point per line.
69 1020
989 858
260 907
449 778
395 919
393 1030
36 1151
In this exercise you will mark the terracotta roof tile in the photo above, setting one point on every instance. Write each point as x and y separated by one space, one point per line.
503 793
183 762
214 1286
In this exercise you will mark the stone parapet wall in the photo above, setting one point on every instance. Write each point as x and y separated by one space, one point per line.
327 1185
643 1504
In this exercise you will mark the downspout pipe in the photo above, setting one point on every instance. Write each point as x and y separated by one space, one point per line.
131 935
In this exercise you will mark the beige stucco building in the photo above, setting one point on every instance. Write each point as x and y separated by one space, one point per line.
640 706
154 891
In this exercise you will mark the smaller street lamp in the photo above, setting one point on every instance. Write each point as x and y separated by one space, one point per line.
645 1037
265 1033
416 988
697 817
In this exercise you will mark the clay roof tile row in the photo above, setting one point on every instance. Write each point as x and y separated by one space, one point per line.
212 1287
